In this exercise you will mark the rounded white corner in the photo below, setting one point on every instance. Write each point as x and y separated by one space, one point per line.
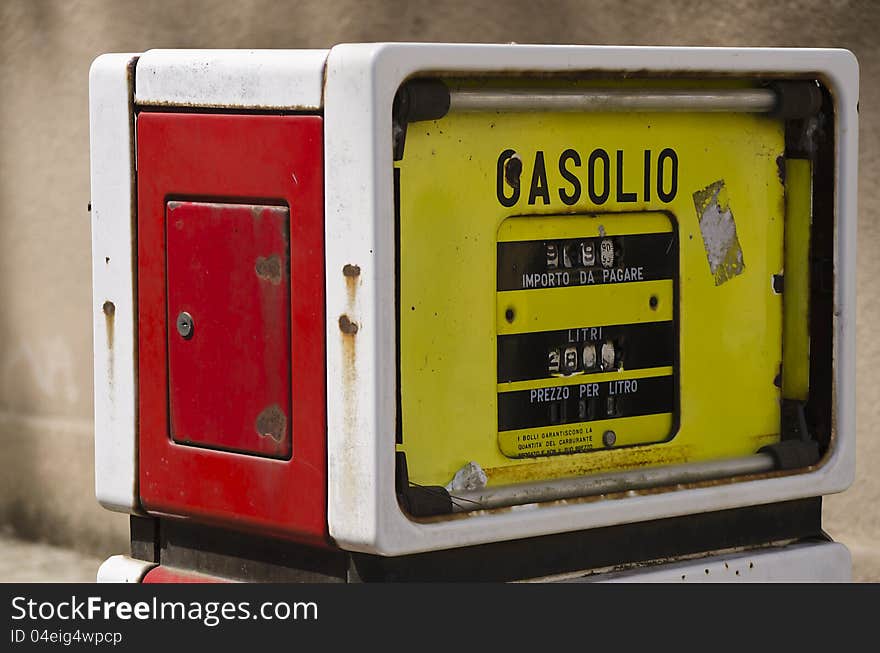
112 500
123 569
110 64
847 64
839 472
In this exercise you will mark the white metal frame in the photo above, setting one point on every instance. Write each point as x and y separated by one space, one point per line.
356 89
290 80
111 133
361 81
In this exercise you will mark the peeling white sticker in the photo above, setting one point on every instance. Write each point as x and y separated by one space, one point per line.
719 232
469 477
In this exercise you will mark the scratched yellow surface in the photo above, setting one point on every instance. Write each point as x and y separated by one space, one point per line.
730 335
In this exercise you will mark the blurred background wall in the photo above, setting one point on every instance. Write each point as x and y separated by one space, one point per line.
46 47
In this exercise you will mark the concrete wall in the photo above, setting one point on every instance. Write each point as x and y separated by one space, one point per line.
46 471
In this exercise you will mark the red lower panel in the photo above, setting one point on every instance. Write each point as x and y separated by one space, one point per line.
241 253
160 574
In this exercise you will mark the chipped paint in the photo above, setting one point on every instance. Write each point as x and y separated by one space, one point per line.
718 228
777 283
513 171
349 270
780 169
352 274
272 423
268 268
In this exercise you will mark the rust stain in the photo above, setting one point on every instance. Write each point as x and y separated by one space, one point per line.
349 373
109 309
347 326
348 329
109 319
268 268
349 388
352 275
272 423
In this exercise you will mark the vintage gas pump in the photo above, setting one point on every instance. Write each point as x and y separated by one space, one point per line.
474 312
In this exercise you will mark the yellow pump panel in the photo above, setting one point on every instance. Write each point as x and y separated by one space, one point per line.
588 292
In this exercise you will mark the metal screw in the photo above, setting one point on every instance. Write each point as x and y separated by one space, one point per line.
609 438
185 324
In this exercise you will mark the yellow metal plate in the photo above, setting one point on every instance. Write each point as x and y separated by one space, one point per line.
555 323
727 207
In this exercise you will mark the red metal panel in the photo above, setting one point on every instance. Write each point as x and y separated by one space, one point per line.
230 159
160 574
229 359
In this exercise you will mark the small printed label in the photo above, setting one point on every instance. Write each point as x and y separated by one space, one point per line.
585 402
572 419
540 264
569 439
